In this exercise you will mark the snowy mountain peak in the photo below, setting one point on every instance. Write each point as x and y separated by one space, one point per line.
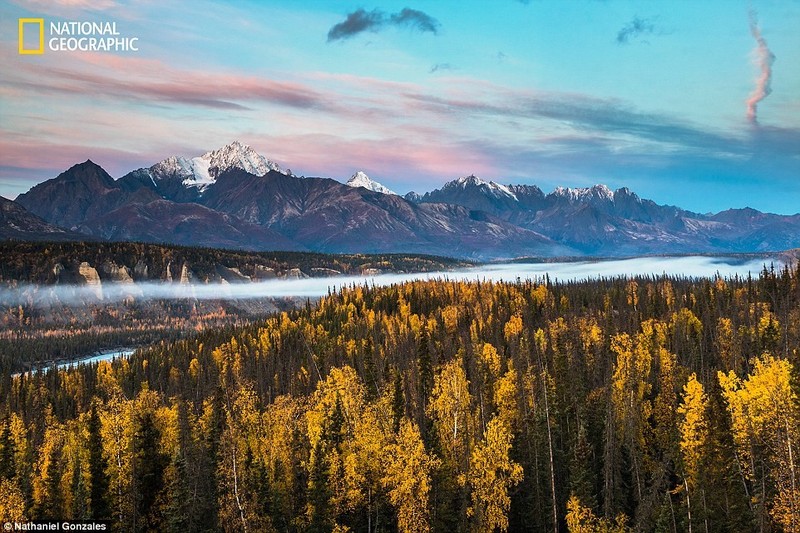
472 179
202 171
598 192
602 191
238 155
495 189
360 179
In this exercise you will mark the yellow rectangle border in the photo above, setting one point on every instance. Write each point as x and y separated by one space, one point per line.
22 49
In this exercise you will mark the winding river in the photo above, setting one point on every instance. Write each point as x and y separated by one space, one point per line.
692 266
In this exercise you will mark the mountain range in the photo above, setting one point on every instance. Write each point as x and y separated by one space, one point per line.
238 199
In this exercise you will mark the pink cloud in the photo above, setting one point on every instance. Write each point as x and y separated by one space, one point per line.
400 159
148 80
28 155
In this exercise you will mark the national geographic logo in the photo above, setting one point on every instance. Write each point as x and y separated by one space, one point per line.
72 36
31 25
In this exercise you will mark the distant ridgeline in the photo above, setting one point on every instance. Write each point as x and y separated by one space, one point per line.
76 262
235 198
650 404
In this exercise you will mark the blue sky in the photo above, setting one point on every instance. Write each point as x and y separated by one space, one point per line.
648 95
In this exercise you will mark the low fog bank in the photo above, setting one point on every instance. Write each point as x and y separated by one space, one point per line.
76 295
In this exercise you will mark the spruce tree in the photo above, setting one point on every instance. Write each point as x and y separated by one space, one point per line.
98 478
8 467
148 471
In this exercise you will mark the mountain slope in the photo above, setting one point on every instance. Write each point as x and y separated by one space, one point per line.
188 224
475 193
325 215
19 224
82 192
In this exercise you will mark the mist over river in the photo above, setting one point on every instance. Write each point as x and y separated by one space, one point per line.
110 292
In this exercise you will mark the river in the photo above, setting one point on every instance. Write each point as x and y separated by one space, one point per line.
95 357
694 266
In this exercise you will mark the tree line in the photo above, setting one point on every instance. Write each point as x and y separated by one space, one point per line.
38 262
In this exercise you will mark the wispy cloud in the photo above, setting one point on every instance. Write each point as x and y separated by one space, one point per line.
764 58
151 80
634 30
585 113
361 20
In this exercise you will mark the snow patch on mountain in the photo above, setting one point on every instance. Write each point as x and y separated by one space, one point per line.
360 179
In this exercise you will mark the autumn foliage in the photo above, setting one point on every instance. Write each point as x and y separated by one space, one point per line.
655 404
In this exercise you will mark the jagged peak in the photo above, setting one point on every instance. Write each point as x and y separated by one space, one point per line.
240 155
360 179
86 164
412 196
472 180
599 191
202 171
465 181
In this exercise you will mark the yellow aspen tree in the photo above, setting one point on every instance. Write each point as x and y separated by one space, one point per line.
282 451
450 409
491 474
48 493
694 432
450 319
23 446
342 385
241 418
630 389
336 406
764 413
513 328
693 426
76 480
581 519
373 432
591 339
728 346
116 430
505 397
490 359
408 478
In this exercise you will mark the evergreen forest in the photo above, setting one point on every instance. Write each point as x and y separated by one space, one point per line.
620 404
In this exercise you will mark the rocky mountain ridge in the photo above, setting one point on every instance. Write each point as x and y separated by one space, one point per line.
235 198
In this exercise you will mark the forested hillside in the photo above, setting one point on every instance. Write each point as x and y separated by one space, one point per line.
59 262
613 405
